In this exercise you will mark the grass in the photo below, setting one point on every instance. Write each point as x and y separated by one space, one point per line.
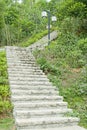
33 39
71 82
6 120
73 95
7 124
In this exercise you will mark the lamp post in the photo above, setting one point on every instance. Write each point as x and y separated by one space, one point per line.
47 13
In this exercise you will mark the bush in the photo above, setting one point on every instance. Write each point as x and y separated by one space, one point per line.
4 91
74 59
5 107
77 9
47 67
82 43
5 104
34 38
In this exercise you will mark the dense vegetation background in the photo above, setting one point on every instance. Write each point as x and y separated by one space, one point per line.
64 61
19 21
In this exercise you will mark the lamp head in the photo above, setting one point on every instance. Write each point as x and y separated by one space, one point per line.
44 14
54 18
48 1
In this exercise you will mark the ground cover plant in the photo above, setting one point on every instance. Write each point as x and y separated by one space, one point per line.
65 63
7 124
66 67
6 120
34 38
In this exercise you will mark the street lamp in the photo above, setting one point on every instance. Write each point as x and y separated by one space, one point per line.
54 19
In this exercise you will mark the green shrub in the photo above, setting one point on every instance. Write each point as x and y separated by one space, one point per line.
71 30
77 9
74 59
4 91
5 107
47 67
82 43
3 66
5 104
34 38
71 8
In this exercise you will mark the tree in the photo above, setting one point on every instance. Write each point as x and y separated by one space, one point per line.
2 11
83 1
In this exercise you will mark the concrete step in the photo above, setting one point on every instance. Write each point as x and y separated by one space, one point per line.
23 67
28 78
17 51
19 55
42 123
37 98
24 70
30 61
21 88
33 92
25 73
21 64
27 114
38 105
25 56
30 83
22 58
11 48
72 127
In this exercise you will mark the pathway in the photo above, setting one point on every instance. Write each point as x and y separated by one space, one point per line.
37 103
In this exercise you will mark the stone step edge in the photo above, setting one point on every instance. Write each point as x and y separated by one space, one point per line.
20 90
41 112
16 98
46 120
27 105
26 78
73 127
27 87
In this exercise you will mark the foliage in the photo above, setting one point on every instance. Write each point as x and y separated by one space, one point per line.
7 124
72 82
5 104
83 1
82 43
68 54
20 21
2 6
3 67
34 38
78 9
46 67
71 8
74 58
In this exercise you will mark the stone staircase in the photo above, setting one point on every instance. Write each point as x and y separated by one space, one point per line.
40 44
37 103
